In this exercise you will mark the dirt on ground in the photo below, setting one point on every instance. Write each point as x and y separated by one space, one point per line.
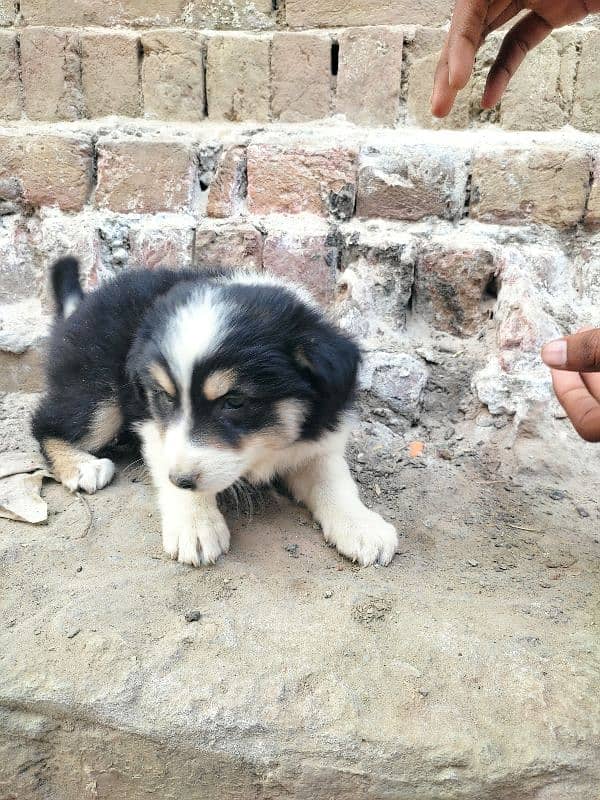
469 668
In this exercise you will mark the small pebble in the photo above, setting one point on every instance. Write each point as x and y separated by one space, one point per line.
292 549
361 458
79 569
424 692
193 616
473 563
584 513
328 594
72 632
557 495
545 585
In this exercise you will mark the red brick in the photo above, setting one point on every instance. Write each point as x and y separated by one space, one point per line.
173 75
50 69
47 170
301 76
304 258
238 78
409 182
10 89
227 191
115 90
332 13
221 244
7 12
544 185
451 287
586 107
368 84
136 176
301 178
231 14
107 13
152 245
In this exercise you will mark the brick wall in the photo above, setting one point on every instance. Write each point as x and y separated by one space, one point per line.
296 137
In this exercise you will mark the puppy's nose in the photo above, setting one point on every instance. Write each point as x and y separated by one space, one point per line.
183 481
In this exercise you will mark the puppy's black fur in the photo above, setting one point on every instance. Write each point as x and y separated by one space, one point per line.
280 346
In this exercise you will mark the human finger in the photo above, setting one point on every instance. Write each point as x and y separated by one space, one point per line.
582 408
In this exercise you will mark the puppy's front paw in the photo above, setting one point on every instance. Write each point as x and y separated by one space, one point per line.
196 540
91 474
362 536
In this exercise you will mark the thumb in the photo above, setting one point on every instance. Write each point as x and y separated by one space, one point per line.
577 353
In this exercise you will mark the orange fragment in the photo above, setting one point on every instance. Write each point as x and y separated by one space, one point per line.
415 449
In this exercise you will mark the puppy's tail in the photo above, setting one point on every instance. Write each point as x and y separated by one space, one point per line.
65 285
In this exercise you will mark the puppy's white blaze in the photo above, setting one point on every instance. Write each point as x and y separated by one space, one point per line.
194 331
216 468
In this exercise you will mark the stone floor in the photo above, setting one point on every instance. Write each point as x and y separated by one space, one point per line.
467 670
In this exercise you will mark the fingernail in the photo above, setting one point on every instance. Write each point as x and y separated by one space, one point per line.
555 353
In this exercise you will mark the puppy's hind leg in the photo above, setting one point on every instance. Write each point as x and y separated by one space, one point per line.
67 436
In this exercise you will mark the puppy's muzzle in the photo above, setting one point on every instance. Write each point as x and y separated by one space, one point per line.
183 481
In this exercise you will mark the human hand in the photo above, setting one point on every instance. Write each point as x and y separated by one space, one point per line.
575 363
473 20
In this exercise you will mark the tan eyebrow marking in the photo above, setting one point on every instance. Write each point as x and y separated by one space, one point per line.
162 378
218 383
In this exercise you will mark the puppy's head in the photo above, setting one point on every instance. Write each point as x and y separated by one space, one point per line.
234 373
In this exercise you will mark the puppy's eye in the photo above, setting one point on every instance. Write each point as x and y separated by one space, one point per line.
234 400
164 398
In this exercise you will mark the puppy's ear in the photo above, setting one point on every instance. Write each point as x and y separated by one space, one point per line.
135 365
330 360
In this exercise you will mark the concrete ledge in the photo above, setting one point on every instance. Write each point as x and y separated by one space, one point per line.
467 670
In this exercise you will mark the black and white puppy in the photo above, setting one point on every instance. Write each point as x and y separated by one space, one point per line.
223 376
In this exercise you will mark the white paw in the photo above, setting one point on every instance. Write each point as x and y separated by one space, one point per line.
362 536
198 540
92 474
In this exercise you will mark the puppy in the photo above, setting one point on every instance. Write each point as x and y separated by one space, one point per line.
222 376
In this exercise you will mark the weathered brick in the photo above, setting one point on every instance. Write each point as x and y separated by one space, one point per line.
592 216
301 76
375 288
173 75
539 97
19 277
50 68
397 380
332 13
451 287
7 12
115 90
141 177
10 89
302 177
47 170
231 14
108 13
543 185
304 258
586 108
221 244
153 245
227 193
418 101
237 78
368 85
409 182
